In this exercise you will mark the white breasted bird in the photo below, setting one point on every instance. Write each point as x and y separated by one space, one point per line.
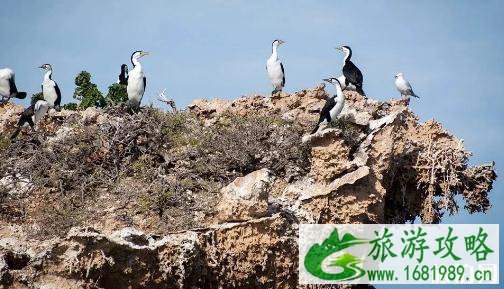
31 115
333 106
8 87
123 76
275 68
403 86
136 81
50 89
352 73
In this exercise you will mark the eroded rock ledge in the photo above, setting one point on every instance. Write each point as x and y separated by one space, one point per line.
378 164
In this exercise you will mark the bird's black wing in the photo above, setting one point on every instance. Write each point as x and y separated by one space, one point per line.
283 74
123 79
26 116
145 84
12 86
13 90
352 73
58 93
324 113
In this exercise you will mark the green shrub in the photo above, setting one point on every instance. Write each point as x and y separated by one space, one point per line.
87 92
71 106
117 93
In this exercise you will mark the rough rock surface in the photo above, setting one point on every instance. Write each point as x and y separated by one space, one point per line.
377 164
245 198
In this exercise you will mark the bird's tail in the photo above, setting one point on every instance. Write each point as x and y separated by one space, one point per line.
360 90
15 133
315 129
20 95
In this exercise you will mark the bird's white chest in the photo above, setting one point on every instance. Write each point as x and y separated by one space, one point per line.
136 85
4 87
274 67
275 73
402 85
5 75
49 91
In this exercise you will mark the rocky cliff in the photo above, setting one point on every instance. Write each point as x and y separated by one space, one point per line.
211 197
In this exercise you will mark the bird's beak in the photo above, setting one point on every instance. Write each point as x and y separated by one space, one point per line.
281 41
327 80
40 66
145 53
339 48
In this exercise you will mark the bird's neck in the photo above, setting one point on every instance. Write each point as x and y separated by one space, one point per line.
47 75
339 93
274 53
348 55
136 63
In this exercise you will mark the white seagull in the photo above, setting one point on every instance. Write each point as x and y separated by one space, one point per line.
404 86
275 68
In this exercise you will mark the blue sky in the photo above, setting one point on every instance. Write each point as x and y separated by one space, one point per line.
451 51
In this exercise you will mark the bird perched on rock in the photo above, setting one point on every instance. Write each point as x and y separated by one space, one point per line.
8 87
31 115
352 73
123 77
275 68
50 89
404 86
136 81
333 106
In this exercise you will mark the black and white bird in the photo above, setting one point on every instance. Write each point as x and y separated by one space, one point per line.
275 68
123 77
404 86
31 115
333 106
50 89
8 87
352 73
344 86
136 81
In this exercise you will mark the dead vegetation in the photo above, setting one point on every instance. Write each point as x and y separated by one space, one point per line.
152 163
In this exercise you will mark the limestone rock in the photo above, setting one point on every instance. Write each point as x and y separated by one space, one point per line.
246 197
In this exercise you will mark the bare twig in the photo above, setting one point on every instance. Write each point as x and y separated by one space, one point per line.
170 102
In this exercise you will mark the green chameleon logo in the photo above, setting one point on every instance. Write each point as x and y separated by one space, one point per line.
349 263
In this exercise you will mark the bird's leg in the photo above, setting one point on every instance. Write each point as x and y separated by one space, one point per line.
4 100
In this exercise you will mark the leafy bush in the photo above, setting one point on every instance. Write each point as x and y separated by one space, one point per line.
87 92
36 97
71 106
117 94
